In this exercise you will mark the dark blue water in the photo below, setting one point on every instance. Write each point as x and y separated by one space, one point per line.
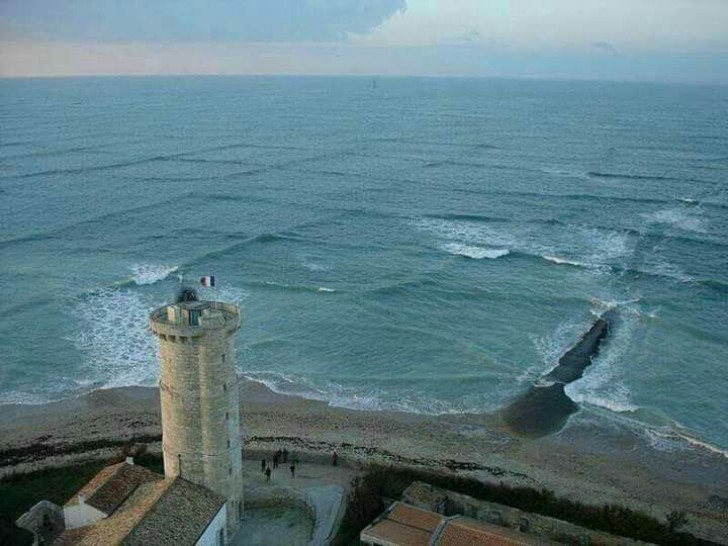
427 245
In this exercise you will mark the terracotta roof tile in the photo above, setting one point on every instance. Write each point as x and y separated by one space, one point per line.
415 517
461 531
391 532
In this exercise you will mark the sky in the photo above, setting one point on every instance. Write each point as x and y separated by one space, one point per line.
634 40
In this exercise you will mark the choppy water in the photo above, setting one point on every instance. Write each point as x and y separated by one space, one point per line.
425 245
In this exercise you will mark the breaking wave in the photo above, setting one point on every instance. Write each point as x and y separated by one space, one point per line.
475 252
603 382
114 338
678 218
151 273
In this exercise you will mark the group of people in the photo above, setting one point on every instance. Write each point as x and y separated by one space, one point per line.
279 457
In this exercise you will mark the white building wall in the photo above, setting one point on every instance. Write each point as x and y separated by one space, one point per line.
211 535
80 515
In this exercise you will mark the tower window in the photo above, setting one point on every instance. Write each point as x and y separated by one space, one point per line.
227 415
228 442
223 359
224 387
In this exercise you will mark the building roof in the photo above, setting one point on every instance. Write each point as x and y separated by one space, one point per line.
405 525
414 517
160 511
115 528
180 515
460 531
112 485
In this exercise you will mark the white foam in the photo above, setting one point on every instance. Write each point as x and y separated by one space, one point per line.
113 335
609 247
283 384
312 266
667 269
369 399
603 383
686 220
561 261
704 445
664 441
324 289
23 398
606 305
150 273
549 348
475 252
590 248
469 233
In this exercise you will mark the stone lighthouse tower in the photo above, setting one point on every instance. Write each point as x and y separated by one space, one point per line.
198 388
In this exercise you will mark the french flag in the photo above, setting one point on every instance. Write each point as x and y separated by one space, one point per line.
208 281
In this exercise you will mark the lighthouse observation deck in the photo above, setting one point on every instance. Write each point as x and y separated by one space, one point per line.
192 319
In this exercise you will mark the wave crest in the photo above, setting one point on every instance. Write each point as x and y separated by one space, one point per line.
150 273
475 252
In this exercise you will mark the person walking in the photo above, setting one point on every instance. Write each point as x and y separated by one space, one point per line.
262 466
275 460
334 458
267 474
293 470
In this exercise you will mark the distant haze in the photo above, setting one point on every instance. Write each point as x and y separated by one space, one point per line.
654 40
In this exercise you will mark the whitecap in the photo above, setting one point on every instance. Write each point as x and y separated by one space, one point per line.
678 218
475 252
324 289
563 261
146 273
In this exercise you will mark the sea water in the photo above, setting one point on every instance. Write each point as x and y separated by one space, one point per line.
424 245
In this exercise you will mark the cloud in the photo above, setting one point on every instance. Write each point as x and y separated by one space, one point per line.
605 47
650 26
194 20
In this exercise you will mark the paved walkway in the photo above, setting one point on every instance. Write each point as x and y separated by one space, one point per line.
274 510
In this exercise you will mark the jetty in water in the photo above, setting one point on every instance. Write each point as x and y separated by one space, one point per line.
544 408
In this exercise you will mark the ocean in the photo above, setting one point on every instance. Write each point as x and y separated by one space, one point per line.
422 245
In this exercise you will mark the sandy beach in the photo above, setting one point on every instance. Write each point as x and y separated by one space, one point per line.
594 463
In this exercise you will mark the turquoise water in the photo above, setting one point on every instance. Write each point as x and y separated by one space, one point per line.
427 245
